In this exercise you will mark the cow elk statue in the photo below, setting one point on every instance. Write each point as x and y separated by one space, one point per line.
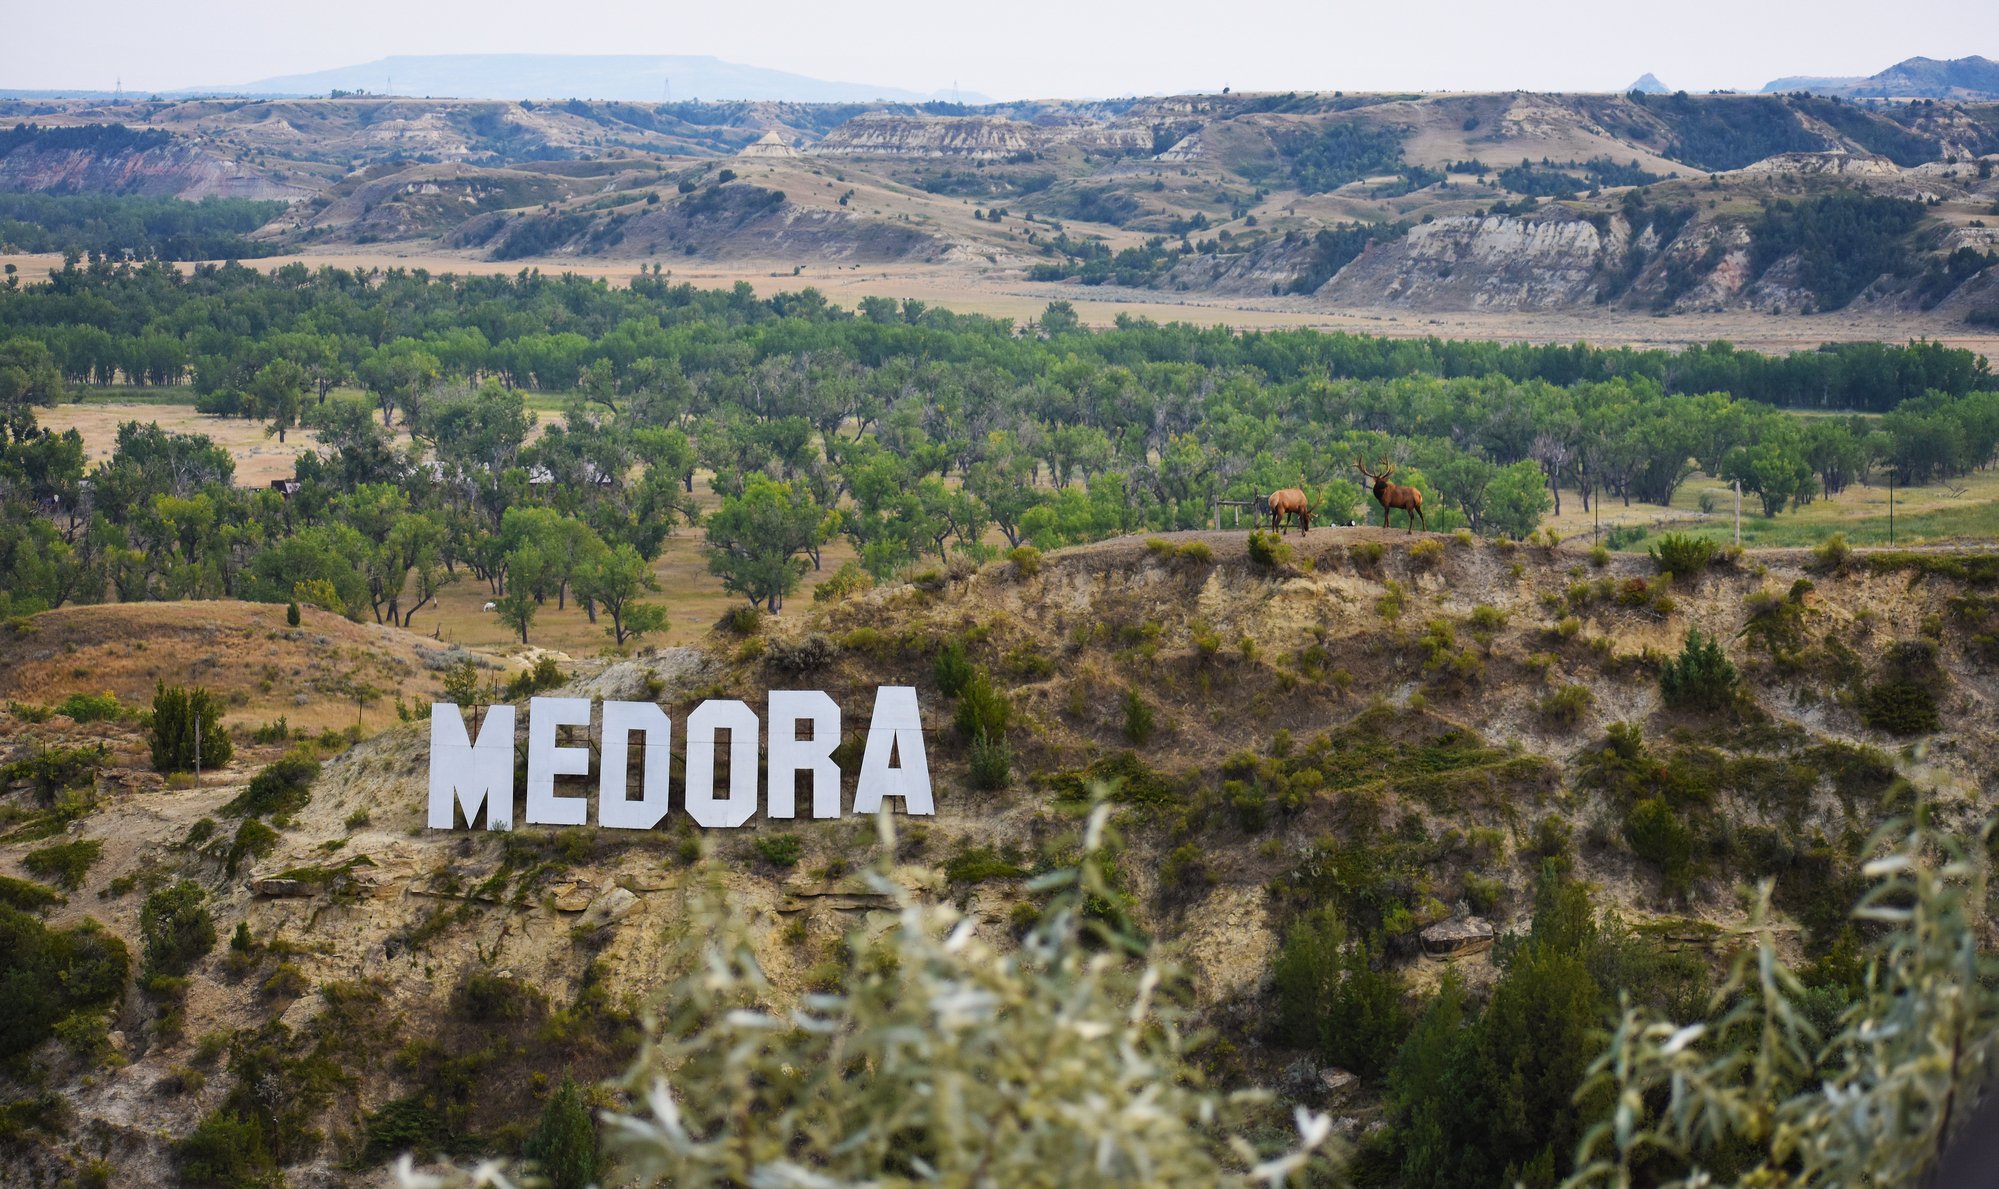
1395 495
1290 502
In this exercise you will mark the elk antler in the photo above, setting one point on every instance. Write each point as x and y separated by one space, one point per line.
1388 468
1361 467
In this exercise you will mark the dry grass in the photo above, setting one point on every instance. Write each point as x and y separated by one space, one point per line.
259 459
242 651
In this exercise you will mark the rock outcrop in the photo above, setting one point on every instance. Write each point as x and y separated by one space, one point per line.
1494 262
1457 937
183 168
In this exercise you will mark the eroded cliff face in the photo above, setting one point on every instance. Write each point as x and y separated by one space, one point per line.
1491 262
183 168
978 138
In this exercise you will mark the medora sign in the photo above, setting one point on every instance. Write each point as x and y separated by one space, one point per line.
804 730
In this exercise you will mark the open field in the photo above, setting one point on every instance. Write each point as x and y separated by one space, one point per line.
1964 510
1003 292
259 458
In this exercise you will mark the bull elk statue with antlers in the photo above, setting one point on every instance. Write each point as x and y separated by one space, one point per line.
1395 495
1290 502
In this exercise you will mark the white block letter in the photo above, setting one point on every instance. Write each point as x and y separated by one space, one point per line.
789 755
614 808
546 761
897 728
741 723
471 776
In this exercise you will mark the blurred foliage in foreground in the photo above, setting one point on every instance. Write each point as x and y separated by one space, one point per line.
1752 1094
942 1058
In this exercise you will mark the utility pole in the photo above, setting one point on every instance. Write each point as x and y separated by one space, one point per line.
1891 506
1738 513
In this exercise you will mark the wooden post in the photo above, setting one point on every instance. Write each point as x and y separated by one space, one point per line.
197 748
1738 513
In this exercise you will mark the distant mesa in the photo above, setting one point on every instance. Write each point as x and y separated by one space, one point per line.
770 144
1973 78
1649 84
627 77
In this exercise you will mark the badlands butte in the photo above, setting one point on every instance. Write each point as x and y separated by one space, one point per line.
1643 216
1415 729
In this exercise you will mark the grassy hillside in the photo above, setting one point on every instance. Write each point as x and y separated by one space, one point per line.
1361 731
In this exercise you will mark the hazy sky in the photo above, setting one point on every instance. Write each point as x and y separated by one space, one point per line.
1079 48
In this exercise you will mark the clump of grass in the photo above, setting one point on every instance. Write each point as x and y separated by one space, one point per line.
1268 550
780 850
66 863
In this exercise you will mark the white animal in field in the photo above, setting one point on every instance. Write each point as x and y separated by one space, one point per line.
491 606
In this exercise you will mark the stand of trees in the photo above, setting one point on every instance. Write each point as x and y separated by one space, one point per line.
913 432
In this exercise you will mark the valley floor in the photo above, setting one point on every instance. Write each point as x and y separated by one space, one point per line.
1005 293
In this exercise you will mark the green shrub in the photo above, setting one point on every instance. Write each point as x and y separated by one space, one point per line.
850 579
283 788
1900 708
563 1148
1138 719
1661 836
540 677
1566 706
461 683
253 840
780 850
982 709
176 712
176 929
272 732
1268 549
1197 552
991 762
51 770
66 863
28 896
743 621
978 864
226 1150
1702 678
291 613
1832 553
1904 700
1184 874
953 670
1026 560
47 975
84 708
1330 997
1684 556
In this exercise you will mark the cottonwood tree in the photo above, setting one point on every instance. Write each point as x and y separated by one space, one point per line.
757 541
614 582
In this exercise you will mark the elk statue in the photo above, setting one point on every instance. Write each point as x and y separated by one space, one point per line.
1395 495
1290 502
